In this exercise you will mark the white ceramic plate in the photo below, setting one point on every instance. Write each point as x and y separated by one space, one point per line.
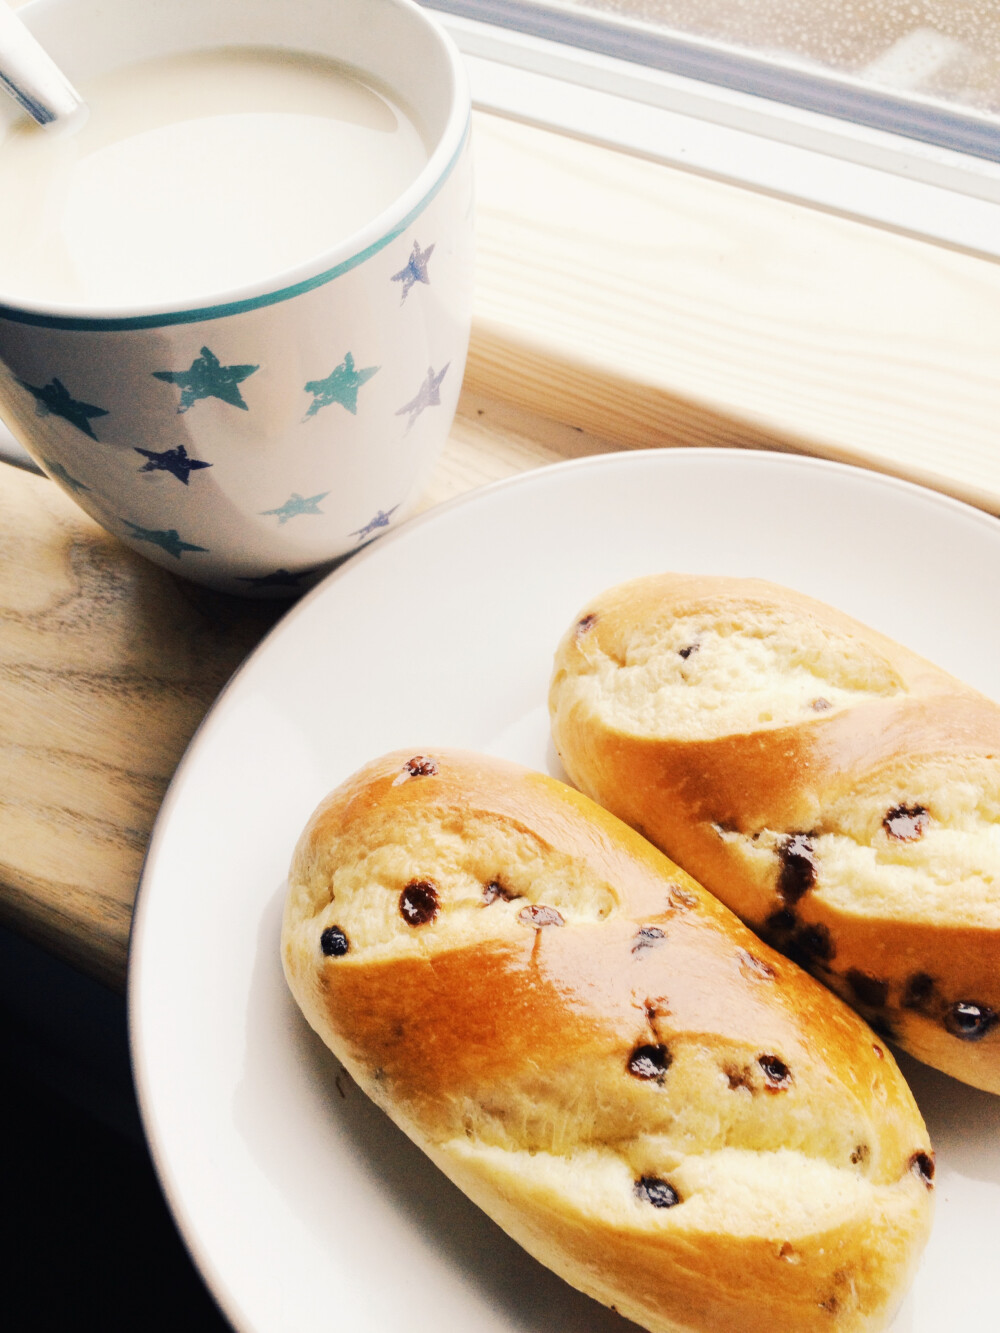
303 1206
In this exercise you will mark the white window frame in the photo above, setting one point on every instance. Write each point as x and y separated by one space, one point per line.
903 184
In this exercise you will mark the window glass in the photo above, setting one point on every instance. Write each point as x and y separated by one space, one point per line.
947 49
929 69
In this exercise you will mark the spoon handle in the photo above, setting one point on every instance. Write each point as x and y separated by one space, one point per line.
29 74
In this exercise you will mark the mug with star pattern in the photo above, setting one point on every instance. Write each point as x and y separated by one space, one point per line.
251 439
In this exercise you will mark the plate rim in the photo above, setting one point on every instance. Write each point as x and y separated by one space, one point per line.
219 1288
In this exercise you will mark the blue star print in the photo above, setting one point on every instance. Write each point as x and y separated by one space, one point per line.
169 539
340 386
297 504
57 471
415 270
279 579
427 395
206 377
381 520
54 399
175 461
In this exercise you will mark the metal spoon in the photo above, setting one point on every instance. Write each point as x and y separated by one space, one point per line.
30 75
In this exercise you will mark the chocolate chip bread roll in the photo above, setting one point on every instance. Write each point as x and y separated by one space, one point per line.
674 1118
838 792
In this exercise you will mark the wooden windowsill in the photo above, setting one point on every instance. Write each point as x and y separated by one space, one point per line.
656 307
619 304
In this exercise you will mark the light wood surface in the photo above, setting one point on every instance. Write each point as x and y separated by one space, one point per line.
107 665
619 304
659 308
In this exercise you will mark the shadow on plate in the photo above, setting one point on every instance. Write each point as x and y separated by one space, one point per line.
519 1292
964 1123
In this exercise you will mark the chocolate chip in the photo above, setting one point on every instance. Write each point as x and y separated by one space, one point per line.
813 944
658 1192
807 945
798 867
585 623
647 937
537 915
820 705
334 942
880 1024
868 990
420 766
688 650
969 1021
661 1194
879 1053
751 965
495 890
906 823
649 1062
418 903
922 1166
738 1076
776 1072
919 991
782 921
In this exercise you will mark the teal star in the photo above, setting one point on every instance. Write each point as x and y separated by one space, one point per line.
340 386
59 472
206 378
297 504
54 399
169 540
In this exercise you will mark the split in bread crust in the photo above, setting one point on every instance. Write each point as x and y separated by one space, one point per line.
838 792
674 1118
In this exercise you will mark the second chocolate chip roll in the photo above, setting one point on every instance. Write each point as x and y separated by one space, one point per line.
838 792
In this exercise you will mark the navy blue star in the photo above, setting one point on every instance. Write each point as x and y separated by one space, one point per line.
415 270
279 579
59 472
427 395
54 399
168 539
171 460
381 520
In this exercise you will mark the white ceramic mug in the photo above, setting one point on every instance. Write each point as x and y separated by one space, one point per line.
313 402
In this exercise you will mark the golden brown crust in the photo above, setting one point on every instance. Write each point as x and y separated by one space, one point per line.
557 1014
894 783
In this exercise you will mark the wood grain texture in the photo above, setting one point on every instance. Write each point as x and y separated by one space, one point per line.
493 440
619 304
657 307
107 665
